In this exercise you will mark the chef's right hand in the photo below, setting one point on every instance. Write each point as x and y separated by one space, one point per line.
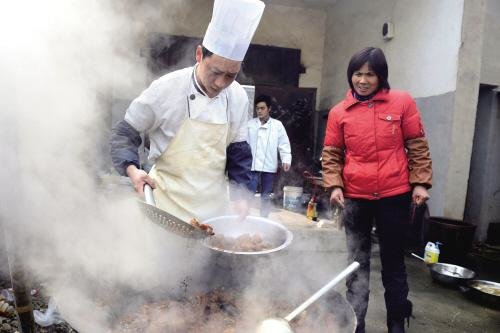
337 197
139 178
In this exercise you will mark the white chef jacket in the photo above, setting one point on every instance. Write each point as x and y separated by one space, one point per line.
266 140
162 107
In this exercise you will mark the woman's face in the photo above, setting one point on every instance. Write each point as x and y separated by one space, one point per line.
364 80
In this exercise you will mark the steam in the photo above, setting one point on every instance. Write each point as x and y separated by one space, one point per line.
62 64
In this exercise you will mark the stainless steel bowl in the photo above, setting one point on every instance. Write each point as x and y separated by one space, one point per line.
486 292
272 232
451 274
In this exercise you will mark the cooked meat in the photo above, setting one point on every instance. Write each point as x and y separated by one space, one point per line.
206 228
242 243
207 313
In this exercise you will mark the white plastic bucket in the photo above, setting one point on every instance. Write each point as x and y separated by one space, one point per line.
291 197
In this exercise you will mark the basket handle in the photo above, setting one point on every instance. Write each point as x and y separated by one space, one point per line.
148 195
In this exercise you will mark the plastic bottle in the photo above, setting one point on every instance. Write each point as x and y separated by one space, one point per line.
312 212
431 255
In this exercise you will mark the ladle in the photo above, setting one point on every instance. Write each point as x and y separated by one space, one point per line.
282 325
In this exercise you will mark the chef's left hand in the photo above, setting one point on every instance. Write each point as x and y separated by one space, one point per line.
242 208
420 195
286 167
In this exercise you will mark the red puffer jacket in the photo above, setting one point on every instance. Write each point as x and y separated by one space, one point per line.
365 145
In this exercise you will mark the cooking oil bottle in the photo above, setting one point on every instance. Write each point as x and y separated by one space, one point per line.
312 212
432 251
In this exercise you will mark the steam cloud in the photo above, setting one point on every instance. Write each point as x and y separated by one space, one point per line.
62 63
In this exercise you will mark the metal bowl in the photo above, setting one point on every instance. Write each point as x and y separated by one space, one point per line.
487 292
272 232
451 274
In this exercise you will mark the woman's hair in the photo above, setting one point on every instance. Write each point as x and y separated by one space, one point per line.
376 59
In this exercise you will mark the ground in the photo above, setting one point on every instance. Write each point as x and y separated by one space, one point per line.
436 308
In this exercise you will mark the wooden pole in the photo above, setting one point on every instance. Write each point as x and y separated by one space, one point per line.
22 298
22 295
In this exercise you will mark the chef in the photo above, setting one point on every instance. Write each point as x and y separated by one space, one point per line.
196 120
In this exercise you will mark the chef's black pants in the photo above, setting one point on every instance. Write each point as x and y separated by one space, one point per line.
266 182
391 217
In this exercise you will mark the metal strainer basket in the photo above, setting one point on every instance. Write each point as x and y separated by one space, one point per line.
166 220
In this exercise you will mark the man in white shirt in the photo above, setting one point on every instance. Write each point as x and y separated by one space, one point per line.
196 120
267 137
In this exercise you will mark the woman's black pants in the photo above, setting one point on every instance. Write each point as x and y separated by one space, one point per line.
391 217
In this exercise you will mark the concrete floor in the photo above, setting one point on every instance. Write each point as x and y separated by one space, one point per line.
436 308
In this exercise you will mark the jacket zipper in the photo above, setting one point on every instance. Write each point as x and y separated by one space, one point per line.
375 194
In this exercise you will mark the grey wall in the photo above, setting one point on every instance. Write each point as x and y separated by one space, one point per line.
490 68
483 196
283 26
422 56
437 119
464 110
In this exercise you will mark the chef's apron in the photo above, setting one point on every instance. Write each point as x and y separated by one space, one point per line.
190 173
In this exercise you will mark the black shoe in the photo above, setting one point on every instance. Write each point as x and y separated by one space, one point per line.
360 330
397 325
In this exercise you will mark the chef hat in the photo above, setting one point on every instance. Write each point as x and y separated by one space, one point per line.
232 27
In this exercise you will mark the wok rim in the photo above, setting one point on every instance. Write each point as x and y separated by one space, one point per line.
286 243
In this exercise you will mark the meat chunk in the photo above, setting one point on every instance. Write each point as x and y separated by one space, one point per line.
243 243
206 228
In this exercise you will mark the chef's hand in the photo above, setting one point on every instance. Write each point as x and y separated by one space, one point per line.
337 197
286 167
420 195
139 177
242 208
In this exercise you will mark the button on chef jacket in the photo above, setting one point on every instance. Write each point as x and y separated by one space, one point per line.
266 140
161 109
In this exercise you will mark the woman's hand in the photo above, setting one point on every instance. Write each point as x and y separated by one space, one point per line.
337 197
420 195
139 178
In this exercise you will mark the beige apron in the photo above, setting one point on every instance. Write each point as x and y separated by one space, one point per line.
190 173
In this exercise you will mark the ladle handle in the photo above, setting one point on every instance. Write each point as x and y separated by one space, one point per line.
351 268
419 257
148 195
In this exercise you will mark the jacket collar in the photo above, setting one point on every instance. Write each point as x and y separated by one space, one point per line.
259 124
350 100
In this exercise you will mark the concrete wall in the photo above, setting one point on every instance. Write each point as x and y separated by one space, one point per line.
483 196
490 67
437 117
422 56
282 26
433 56
464 111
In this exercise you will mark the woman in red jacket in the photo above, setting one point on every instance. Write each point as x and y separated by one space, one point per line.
376 161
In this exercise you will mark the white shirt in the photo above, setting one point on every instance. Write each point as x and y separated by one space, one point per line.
266 140
161 109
